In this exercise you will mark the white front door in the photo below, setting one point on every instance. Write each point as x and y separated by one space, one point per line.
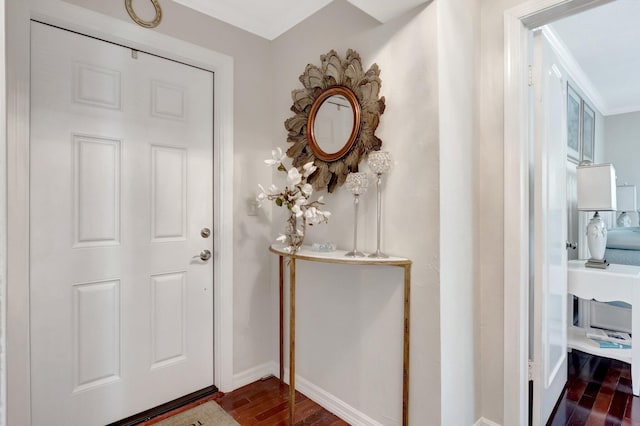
121 187
549 254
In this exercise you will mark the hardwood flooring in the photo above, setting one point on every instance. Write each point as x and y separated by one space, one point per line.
264 403
598 393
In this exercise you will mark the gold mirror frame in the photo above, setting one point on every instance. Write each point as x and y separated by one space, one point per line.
335 76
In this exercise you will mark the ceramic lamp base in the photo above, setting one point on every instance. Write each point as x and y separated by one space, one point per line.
597 237
598 264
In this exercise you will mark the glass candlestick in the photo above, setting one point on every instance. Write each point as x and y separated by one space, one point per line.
356 183
380 163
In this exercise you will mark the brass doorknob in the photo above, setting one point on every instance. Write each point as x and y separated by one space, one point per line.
205 255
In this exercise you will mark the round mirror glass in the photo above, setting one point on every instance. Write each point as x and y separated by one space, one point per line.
334 122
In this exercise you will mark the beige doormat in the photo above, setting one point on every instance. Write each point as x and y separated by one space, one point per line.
207 414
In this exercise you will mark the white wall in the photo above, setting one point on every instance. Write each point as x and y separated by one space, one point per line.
254 316
350 318
3 219
458 22
621 147
488 161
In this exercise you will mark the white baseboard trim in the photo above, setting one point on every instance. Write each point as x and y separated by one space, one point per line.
328 401
485 422
331 403
254 374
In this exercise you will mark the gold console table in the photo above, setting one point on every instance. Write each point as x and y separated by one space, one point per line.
339 257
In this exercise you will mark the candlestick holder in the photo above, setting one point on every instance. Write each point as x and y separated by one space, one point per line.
380 163
357 184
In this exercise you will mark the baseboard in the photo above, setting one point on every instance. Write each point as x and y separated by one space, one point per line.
331 403
485 422
254 374
328 401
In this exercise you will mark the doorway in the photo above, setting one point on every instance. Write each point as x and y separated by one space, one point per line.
83 21
518 22
121 275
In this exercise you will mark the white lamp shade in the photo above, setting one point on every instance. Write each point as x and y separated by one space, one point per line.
626 198
596 187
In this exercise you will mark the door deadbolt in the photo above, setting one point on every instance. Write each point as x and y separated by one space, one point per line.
205 255
205 232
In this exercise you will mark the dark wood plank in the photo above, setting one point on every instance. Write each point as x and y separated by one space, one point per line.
598 392
266 403
263 403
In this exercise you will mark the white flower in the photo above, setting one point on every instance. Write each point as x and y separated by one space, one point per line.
276 158
294 177
296 210
310 213
308 169
296 196
306 189
261 196
281 238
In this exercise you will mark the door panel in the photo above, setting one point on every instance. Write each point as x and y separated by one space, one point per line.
549 231
120 184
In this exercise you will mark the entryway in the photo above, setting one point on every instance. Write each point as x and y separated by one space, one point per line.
121 212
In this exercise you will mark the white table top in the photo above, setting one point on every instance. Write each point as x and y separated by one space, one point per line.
616 283
338 256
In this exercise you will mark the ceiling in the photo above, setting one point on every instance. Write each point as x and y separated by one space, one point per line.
604 44
601 45
271 18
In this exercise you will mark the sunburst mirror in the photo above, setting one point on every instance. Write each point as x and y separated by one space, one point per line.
336 116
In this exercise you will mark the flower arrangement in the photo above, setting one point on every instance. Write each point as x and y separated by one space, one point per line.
296 198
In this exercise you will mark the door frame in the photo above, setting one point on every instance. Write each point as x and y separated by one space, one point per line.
518 21
75 18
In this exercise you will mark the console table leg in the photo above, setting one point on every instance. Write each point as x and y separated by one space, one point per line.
292 339
406 347
281 290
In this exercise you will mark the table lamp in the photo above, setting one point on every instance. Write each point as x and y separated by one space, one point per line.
596 193
626 198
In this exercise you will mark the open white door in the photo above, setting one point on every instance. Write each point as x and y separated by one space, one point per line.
549 255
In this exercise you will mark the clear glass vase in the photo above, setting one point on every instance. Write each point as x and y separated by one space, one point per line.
295 231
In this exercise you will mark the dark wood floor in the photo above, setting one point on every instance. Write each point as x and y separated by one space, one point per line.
265 403
598 392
